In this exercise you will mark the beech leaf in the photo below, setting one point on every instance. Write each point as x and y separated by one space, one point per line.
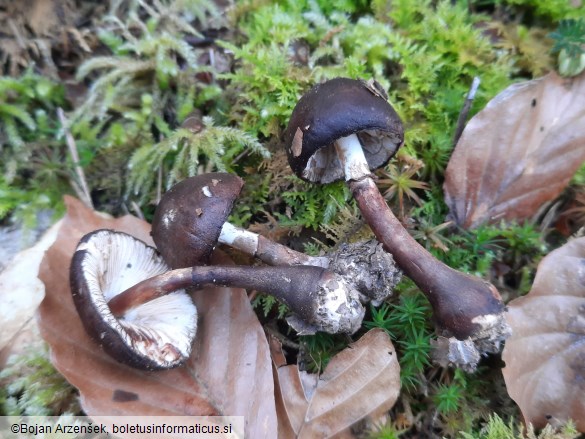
228 373
21 293
519 152
545 356
361 380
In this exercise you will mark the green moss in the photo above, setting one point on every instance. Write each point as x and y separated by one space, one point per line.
570 44
407 323
497 428
553 10
130 134
269 304
32 173
183 152
317 350
32 387
386 431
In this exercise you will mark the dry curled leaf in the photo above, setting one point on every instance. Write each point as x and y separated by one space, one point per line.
545 357
519 152
228 373
21 293
362 380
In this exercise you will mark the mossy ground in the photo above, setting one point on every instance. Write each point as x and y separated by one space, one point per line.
158 91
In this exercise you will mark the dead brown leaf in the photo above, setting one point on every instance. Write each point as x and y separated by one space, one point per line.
545 357
230 369
44 15
519 152
21 293
362 380
51 34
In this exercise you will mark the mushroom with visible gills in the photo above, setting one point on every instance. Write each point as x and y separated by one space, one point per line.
191 218
153 335
344 129
138 311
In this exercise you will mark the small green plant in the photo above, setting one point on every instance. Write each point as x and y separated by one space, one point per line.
522 239
27 116
252 199
554 10
431 236
32 173
182 151
347 226
24 205
448 398
386 431
313 205
435 155
268 304
317 350
407 323
570 45
400 181
31 386
140 93
529 43
497 428
147 55
268 87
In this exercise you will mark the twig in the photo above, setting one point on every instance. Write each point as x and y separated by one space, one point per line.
241 155
159 185
75 157
198 41
465 110
76 189
137 211
16 33
281 338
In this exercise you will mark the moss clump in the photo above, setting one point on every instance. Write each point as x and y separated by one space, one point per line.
30 386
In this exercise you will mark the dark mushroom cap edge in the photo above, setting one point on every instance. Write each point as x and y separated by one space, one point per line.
334 109
188 220
152 336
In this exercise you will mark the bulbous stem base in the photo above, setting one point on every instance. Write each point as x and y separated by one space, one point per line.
464 306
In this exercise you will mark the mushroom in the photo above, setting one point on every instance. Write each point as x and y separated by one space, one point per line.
136 308
345 128
319 298
153 335
191 219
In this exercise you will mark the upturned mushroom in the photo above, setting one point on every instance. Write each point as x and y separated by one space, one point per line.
137 310
152 335
344 129
191 219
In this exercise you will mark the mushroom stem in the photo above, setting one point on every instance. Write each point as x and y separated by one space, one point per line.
351 154
267 251
316 295
191 219
463 305
150 289
364 265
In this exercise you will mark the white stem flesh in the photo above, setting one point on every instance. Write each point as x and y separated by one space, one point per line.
239 238
351 154
247 242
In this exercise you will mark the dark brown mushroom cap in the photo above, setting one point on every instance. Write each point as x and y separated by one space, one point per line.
334 109
151 336
188 220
